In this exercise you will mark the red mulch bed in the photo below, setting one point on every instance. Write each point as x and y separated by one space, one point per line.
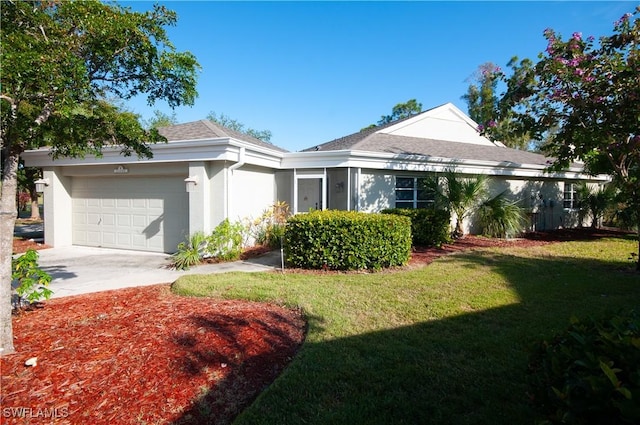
145 355
21 245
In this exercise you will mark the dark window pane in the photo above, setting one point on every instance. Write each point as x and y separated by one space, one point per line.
404 195
425 195
404 182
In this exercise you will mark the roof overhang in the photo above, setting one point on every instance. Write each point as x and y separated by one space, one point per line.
228 149
221 149
424 163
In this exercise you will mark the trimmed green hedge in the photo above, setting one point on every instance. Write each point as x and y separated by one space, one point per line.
347 240
590 373
429 227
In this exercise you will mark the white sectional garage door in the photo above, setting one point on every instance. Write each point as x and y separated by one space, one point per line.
139 213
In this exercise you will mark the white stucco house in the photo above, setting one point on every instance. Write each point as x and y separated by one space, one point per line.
206 173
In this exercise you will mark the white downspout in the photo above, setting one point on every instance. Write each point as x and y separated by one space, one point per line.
240 163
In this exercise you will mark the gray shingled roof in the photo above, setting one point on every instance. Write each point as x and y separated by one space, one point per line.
372 141
205 129
347 142
388 143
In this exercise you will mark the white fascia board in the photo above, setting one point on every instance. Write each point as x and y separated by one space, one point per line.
421 163
224 149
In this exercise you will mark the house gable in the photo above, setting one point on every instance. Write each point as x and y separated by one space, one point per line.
445 123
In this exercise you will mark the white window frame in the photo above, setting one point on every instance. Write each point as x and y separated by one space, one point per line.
414 190
570 198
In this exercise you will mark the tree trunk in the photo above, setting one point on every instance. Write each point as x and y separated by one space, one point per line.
35 208
8 216
638 257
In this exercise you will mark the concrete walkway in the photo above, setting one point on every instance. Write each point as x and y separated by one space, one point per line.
79 270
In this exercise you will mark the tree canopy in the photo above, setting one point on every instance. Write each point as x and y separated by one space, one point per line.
61 63
400 111
485 108
583 99
234 124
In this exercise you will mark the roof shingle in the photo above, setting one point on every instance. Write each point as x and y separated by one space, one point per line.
205 129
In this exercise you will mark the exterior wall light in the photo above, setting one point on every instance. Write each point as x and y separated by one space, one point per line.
192 182
41 184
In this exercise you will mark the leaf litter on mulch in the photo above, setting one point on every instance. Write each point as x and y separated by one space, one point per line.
145 355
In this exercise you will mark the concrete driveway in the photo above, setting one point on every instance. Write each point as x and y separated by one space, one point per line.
80 270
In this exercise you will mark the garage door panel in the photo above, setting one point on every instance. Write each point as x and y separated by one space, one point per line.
123 203
93 218
106 219
139 203
147 213
92 238
156 203
124 220
139 221
90 202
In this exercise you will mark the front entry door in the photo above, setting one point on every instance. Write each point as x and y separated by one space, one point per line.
309 194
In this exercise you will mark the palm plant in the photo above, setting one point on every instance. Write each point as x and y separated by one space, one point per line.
594 201
458 194
500 217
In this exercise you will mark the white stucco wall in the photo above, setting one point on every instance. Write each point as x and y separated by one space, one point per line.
376 190
57 208
253 190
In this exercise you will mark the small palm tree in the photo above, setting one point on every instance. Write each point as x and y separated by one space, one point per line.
459 194
594 201
500 217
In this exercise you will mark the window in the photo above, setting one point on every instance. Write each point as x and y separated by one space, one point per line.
412 193
570 195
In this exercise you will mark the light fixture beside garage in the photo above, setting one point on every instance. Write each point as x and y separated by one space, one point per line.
192 182
120 169
41 184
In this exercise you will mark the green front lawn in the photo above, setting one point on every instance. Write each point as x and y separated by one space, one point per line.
445 344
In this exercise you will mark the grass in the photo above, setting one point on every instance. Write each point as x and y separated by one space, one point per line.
443 344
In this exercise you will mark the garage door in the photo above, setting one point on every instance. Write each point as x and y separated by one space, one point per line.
139 213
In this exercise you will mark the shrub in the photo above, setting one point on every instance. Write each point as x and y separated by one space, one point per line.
500 217
225 242
589 374
429 227
268 229
191 252
347 240
32 281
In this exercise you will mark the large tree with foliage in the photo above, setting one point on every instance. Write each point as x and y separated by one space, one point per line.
60 61
161 119
588 93
484 107
234 124
401 110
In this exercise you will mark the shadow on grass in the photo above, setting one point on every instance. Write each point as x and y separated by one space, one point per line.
465 369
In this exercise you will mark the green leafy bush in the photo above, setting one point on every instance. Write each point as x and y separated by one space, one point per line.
347 240
32 281
429 227
225 242
589 374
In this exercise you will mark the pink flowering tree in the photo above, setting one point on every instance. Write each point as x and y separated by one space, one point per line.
583 99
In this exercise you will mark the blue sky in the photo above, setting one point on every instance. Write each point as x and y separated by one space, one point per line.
314 71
